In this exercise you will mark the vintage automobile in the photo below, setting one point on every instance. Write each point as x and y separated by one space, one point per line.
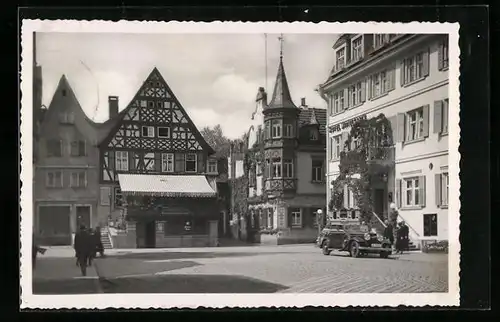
357 239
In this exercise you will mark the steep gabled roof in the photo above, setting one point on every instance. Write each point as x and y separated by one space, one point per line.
281 94
154 76
65 100
318 113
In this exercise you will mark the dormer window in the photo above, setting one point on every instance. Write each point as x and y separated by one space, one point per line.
340 58
380 39
357 49
63 92
66 118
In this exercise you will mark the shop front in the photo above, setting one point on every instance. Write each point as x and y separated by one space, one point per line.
172 212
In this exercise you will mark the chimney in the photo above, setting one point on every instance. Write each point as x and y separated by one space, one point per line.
113 106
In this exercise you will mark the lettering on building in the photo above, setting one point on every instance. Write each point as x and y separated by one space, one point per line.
341 126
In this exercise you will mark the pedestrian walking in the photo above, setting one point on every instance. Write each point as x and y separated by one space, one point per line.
405 235
389 232
83 249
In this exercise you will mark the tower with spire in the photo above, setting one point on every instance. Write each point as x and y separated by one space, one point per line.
285 162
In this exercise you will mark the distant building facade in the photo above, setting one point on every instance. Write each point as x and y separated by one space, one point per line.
66 169
285 162
157 172
404 77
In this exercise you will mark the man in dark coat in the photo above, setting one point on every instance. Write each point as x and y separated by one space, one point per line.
405 235
399 239
389 232
83 248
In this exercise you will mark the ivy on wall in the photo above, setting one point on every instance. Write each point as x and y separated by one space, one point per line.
361 145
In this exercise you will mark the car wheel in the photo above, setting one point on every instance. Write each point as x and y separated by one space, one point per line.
325 249
354 249
384 254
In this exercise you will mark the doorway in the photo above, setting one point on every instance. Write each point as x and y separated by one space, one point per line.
82 216
379 202
150 240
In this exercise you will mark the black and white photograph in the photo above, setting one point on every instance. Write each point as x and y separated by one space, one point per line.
265 164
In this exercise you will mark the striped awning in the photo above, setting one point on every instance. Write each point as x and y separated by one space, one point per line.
195 186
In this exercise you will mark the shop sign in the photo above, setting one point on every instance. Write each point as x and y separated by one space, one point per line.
281 217
341 126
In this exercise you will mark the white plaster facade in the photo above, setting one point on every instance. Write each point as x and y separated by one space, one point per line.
422 156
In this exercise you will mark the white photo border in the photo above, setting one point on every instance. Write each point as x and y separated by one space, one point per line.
129 301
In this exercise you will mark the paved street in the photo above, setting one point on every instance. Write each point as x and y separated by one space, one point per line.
250 269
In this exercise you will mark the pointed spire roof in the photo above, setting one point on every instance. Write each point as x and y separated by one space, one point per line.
281 94
313 120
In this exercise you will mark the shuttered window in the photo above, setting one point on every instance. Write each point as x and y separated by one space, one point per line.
442 182
413 125
54 179
413 191
121 161
443 58
78 149
78 179
54 148
441 117
415 68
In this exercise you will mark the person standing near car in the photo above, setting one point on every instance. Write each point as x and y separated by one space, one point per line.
389 231
405 236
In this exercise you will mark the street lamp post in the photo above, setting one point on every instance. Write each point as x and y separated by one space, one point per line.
319 219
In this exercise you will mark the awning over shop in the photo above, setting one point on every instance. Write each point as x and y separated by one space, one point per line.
195 186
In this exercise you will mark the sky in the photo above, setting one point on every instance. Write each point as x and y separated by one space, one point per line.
215 76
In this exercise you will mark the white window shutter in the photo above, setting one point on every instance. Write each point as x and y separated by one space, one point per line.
402 72
397 193
363 91
438 116
425 70
440 56
446 116
392 78
437 184
421 188
401 127
369 87
426 120
394 126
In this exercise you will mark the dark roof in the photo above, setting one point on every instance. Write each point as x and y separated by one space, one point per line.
306 114
281 94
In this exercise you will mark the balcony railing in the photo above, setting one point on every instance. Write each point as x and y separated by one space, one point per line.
280 184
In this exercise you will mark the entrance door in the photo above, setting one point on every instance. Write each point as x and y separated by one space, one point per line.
151 234
378 203
82 216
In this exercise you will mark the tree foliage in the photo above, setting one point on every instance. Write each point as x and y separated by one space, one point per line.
354 169
217 140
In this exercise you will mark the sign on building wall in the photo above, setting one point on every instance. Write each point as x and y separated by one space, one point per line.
105 196
340 126
160 226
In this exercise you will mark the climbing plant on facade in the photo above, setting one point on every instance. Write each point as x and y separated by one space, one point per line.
363 144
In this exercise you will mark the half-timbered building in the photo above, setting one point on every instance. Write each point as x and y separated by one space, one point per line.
158 173
286 165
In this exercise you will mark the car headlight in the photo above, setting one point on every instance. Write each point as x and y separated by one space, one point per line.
380 238
367 236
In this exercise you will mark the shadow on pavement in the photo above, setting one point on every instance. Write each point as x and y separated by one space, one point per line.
65 286
189 284
185 255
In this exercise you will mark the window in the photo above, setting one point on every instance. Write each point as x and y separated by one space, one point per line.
54 148
335 145
78 179
287 168
357 49
445 117
415 68
191 162
380 39
276 168
66 118
149 161
355 94
340 58
276 128
159 104
430 225
313 134
356 143
167 162
163 132
212 166
121 160
143 103
445 182
296 217
148 131
379 83
63 92
338 102
288 131
267 130
411 191
151 104
443 53
78 149
415 124
54 179
317 170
